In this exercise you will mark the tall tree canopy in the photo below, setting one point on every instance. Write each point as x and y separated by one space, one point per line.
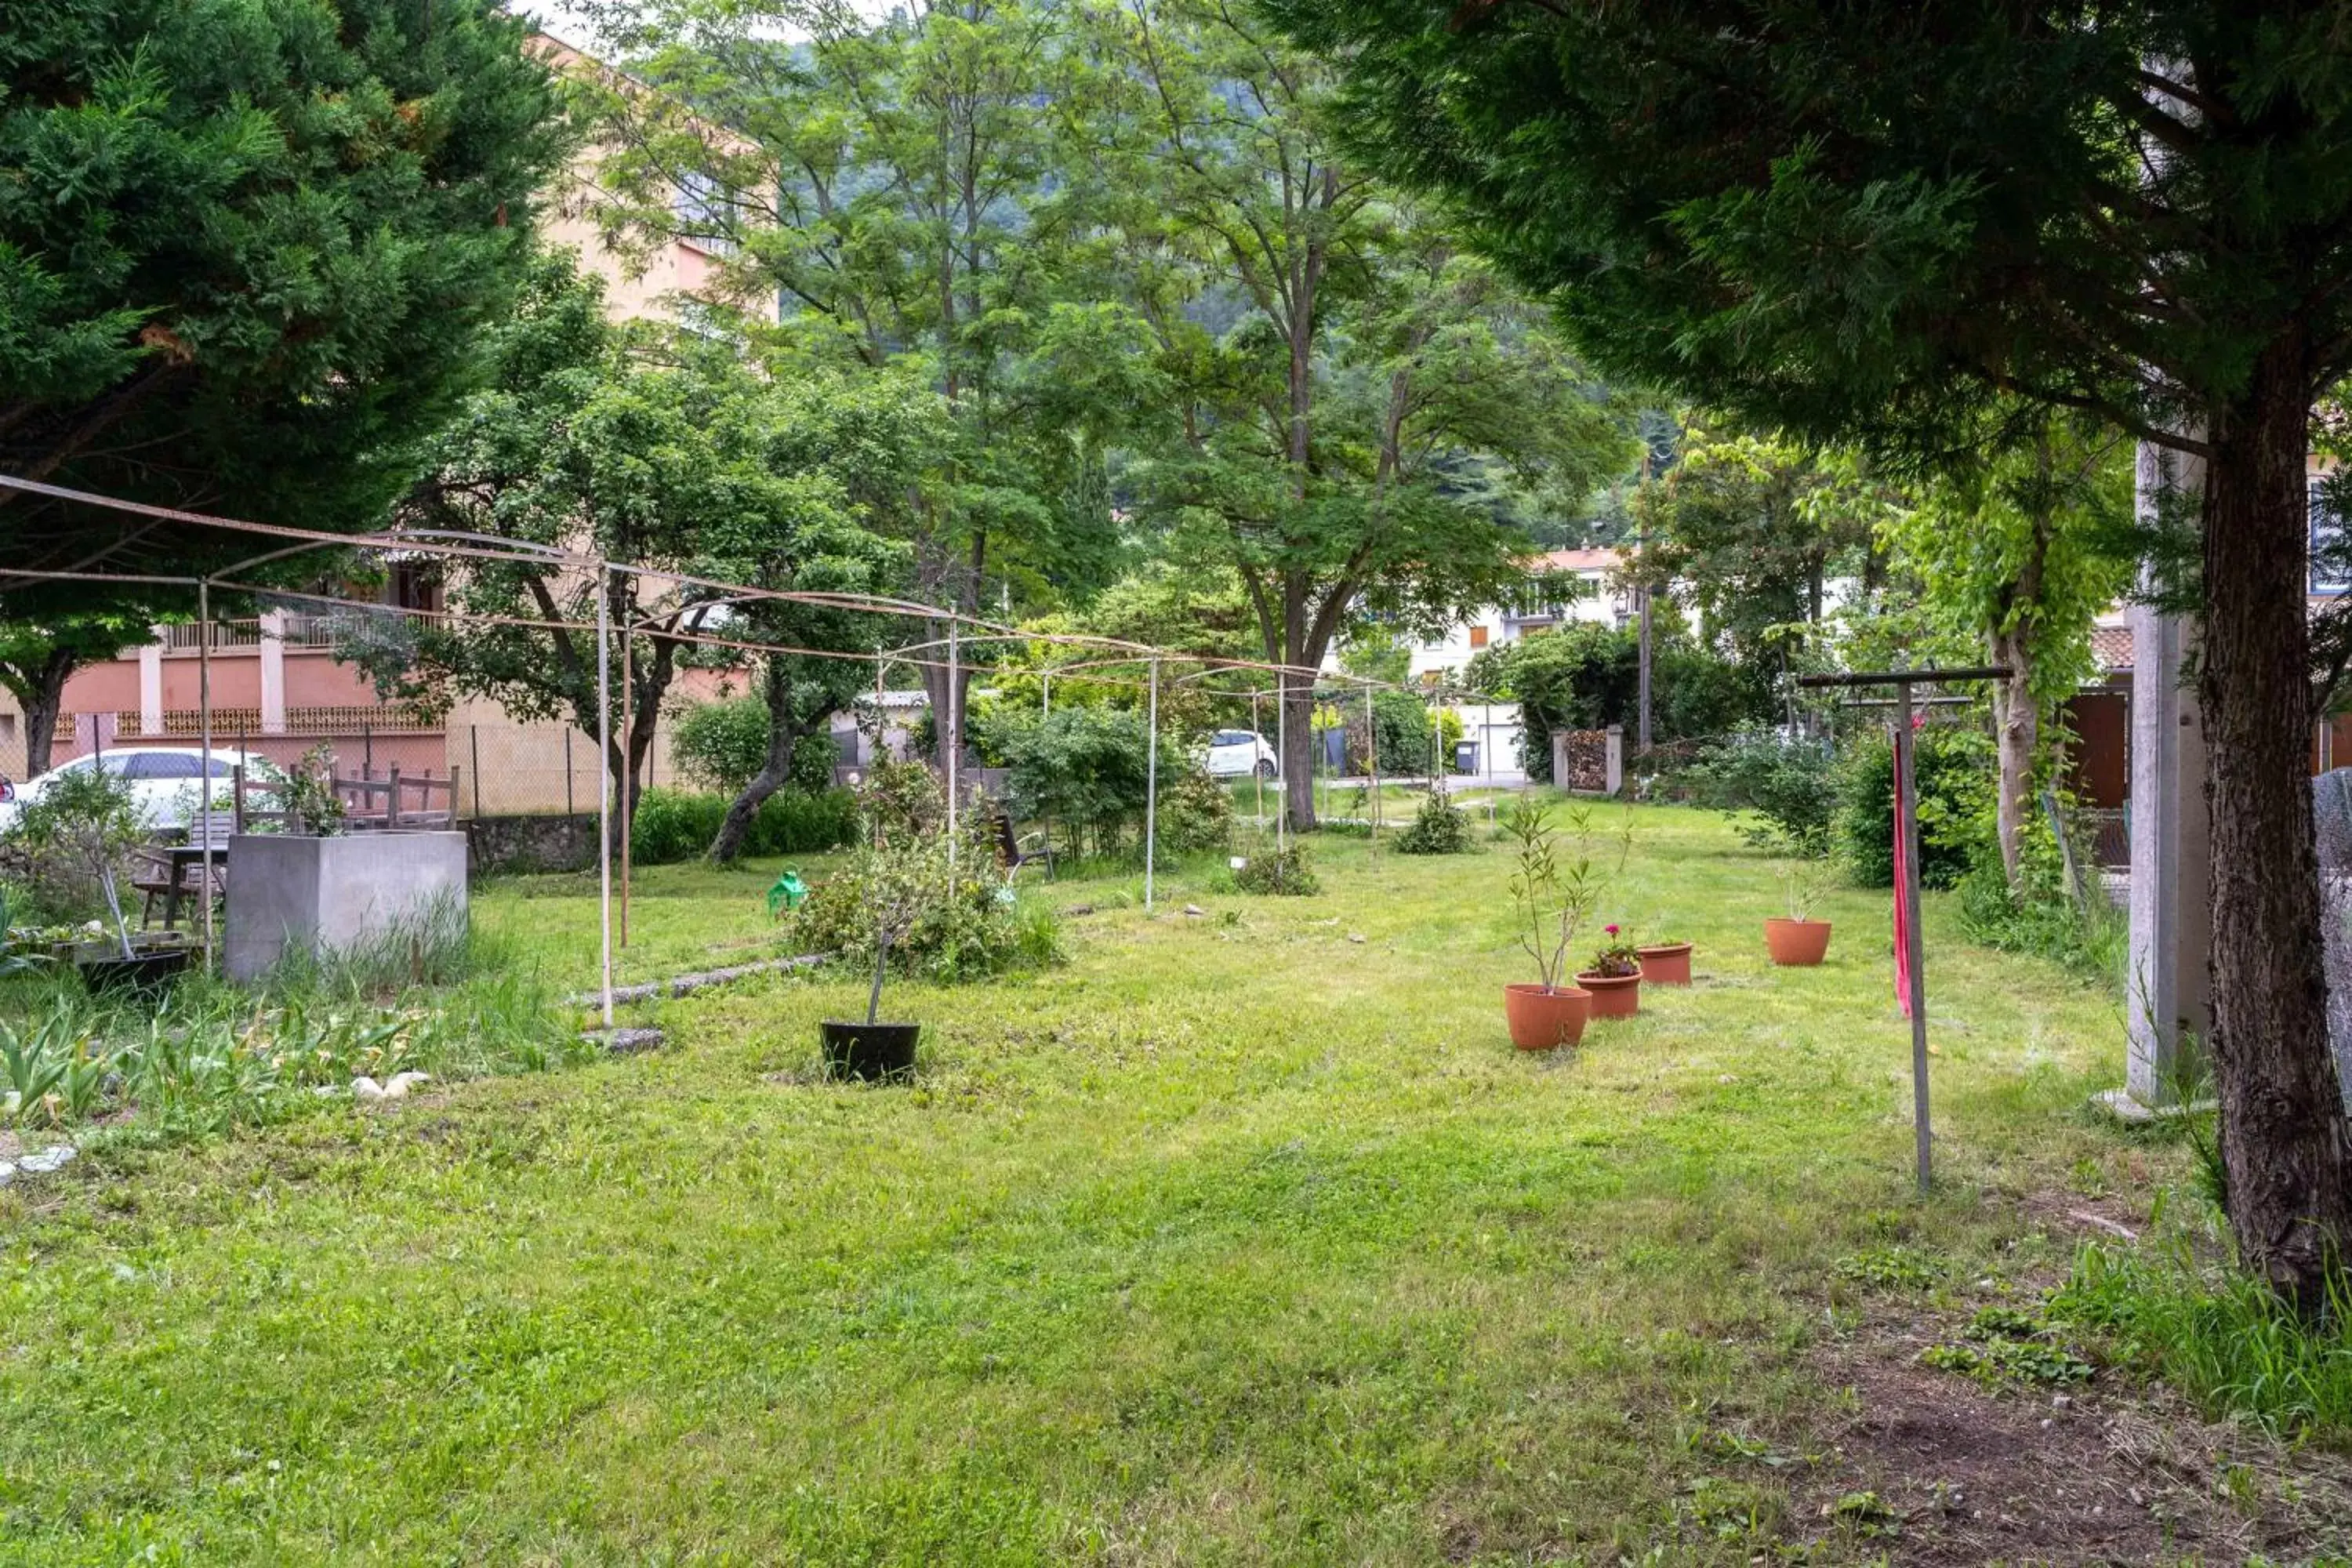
897 184
641 444
1339 386
1883 219
245 249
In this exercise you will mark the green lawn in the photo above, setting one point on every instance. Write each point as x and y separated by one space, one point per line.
1237 1239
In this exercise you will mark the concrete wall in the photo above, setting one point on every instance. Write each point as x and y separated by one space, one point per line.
289 893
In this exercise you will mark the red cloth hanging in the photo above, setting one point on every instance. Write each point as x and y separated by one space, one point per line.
1902 909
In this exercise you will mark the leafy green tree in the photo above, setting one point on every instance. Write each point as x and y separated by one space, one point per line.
1750 530
1891 221
896 184
630 446
2023 550
37 652
1335 371
245 252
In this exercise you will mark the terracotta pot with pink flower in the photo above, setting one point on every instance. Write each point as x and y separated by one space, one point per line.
1614 976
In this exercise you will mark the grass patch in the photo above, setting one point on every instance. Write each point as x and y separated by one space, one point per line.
1234 1239
2216 1334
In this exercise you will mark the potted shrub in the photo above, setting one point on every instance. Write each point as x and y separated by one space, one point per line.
1554 896
1614 978
74 841
1797 941
1665 962
894 881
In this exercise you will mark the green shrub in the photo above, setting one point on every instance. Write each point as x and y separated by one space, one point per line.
948 921
1953 767
1196 811
1278 871
1585 676
673 825
1789 785
1088 770
1439 829
2041 914
721 747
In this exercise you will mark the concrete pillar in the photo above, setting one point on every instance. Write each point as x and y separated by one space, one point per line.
2165 986
151 685
273 672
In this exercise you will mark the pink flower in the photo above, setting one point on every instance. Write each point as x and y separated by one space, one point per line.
1612 930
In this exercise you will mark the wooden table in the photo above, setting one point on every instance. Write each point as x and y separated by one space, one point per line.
182 857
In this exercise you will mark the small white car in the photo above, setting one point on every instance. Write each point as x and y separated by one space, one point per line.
163 779
1237 753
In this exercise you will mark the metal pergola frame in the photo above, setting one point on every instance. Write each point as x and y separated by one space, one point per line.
1106 654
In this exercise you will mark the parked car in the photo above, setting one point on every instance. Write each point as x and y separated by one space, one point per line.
1237 753
163 780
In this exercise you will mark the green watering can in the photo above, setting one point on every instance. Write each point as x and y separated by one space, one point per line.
788 893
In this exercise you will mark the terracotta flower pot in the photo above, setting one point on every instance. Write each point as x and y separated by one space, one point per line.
1541 1019
1667 965
1797 943
1613 995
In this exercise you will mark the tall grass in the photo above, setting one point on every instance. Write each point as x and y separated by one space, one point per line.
2217 1335
430 995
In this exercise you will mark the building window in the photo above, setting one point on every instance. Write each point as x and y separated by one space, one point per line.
705 212
1478 636
413 585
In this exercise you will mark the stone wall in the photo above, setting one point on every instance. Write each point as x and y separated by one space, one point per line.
531 842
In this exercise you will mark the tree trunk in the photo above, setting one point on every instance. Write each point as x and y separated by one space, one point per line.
1298 755
2017 736
783 734
1299 767
42 694
2283 1134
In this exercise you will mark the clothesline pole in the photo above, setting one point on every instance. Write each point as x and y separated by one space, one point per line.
1911 958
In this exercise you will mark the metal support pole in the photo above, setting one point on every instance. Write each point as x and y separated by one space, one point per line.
568 809
1373 768
604 774
1151 790
205 722
628 764
1907 803
952 741
473 747
1257 777
1048 712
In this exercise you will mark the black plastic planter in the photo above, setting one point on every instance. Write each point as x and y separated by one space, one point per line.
878 1053
145 977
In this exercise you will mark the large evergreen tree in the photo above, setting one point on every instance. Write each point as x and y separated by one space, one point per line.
244 249
1879 219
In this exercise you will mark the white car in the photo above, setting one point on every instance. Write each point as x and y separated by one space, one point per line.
1237 753
163 780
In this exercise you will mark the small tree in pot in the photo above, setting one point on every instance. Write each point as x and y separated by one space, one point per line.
905 899
1554 895
894 880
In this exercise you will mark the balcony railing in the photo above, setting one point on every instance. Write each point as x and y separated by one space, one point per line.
228 723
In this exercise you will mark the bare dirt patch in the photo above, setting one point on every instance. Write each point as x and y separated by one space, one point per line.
1928 1466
